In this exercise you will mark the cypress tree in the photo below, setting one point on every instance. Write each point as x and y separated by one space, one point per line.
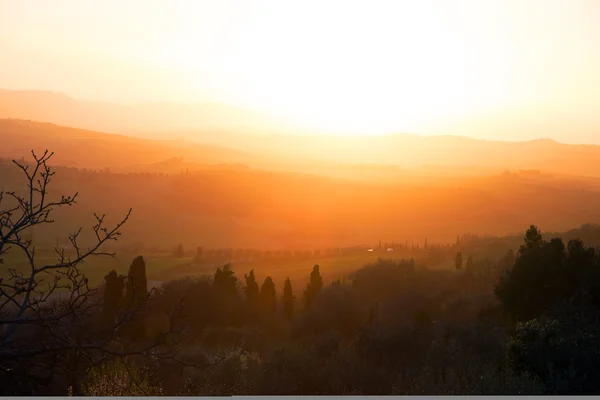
288 300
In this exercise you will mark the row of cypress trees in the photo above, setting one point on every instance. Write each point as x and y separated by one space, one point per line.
127 294
265 298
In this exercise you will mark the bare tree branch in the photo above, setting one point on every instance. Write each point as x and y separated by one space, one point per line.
54 301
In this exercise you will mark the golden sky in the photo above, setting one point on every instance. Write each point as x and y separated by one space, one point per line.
491 69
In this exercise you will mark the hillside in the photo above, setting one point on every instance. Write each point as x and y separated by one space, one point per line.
95 150
247 131
244 207
216 196
145 120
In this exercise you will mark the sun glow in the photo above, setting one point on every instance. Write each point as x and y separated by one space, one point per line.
345 68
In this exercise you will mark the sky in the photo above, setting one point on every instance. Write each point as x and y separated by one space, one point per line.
509 69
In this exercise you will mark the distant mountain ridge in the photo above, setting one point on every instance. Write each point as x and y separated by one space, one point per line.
89 149
244 131
142 120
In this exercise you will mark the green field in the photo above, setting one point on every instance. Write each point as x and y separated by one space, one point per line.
165 267
95 268
332 268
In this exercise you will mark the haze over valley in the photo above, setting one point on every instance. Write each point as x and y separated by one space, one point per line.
225 197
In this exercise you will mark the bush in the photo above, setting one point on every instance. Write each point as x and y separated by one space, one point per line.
116 379
238 373
336 308
476 379
561 350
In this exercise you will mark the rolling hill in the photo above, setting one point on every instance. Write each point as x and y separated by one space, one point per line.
272 140
88 149
253 208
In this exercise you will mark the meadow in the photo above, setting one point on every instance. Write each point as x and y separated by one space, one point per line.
164 266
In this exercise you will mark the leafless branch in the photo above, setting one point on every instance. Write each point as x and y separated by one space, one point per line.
54 301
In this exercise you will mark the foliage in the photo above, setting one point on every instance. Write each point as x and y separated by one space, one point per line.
562 349
113 299
546 273
115 378
268 296
313 287
252 291
288 300
337 308
225 281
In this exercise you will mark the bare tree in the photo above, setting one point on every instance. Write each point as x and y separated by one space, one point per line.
48 312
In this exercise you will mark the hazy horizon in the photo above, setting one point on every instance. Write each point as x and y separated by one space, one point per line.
496 70
278 126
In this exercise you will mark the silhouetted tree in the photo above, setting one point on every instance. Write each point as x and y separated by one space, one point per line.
510 259
230 310
137 284
288 300
503 266
546 273
313 287
252 291
113 298
533 239
48 310
458 261
268 296
136 294
224 281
